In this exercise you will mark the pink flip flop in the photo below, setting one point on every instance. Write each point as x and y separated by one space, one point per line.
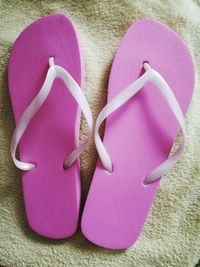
47 116
138 136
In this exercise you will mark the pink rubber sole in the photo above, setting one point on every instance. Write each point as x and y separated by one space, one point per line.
139 136
51 194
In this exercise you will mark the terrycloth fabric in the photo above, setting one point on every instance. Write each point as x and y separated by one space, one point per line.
171 236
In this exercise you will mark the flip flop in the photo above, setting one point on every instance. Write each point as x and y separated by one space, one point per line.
47 115
138 136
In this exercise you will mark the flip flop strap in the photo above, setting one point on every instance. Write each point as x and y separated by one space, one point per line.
153 76
54 71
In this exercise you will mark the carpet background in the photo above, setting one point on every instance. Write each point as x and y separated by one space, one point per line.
171 235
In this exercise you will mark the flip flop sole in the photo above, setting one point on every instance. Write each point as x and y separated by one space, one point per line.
138 136
51 194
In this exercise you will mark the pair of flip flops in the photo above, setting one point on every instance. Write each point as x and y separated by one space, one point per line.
150 88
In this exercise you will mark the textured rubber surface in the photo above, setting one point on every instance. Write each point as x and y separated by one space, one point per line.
138 136
51 194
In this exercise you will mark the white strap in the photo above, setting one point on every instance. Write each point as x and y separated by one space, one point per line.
54 72
123 97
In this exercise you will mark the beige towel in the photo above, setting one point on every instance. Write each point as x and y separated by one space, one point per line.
171 236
